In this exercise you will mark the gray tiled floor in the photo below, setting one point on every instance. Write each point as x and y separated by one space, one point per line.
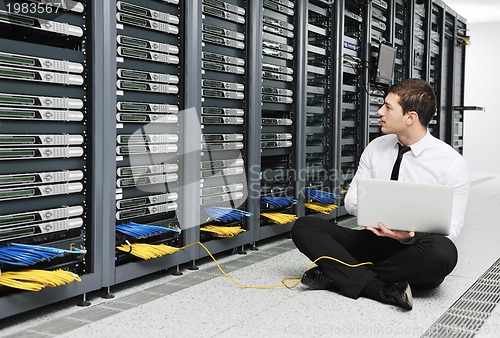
217 307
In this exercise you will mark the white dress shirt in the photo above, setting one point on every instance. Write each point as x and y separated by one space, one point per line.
429 161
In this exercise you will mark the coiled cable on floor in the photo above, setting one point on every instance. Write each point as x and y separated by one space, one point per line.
279 218
35 280
223 231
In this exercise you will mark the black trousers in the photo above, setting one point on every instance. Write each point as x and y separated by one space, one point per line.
424 263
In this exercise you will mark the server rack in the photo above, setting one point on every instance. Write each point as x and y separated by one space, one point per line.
147 105
402 39
351 122
154 130
422 52
224 119
381 32
49 143
278 91
435 62
458 79
419 51
319 120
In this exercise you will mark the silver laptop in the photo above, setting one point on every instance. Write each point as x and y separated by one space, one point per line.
405 206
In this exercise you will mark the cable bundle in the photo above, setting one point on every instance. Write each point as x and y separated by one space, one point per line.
35 280
224 214
26 255
138 230
279 218
322 208
147 251
222 231
278 202
321 196
464 40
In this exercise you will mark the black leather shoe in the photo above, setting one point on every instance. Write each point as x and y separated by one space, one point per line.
398 294
317 280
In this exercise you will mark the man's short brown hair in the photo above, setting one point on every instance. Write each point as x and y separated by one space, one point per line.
418 96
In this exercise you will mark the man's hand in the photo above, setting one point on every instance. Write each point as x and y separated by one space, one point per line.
383 231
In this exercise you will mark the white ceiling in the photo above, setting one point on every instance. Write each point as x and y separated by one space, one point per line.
476 11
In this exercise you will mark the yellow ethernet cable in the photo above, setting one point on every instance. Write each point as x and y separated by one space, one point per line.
35 280
223 231
279 218
322 208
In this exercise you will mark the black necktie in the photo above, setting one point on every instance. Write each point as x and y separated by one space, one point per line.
397 164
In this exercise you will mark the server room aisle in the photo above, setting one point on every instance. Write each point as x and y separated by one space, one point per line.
205 304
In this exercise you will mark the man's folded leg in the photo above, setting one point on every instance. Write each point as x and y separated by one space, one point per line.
315 238
424 264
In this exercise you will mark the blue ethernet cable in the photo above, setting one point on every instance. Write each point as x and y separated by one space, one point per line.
138 230
26 255
323 197
225 214
278 202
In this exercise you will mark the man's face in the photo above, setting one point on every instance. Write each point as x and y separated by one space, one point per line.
391 115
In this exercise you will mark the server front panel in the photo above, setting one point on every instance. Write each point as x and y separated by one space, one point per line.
45 136
148 104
